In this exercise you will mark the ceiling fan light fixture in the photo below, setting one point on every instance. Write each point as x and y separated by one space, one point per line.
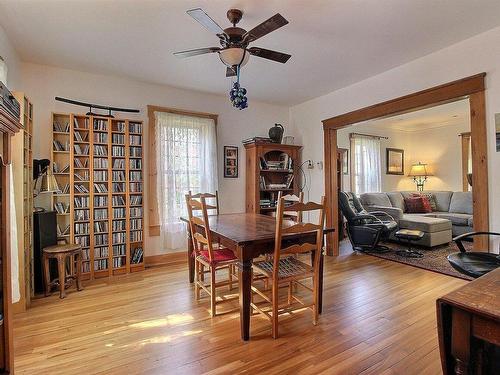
234 56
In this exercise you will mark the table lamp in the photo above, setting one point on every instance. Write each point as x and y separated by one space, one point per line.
419 173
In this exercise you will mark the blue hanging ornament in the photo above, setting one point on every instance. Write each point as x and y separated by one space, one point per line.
237 95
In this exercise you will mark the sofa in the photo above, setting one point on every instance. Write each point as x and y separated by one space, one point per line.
452 216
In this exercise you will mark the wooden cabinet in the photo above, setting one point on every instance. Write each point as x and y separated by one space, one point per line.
270 168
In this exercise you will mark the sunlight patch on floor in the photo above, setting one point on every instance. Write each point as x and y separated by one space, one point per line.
170 320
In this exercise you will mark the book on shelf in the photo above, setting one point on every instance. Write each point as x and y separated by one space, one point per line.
59 146
100 150
81 188
118 138
81 150
137 256
101 214
100 188
289 180
101 137
85 176
56 169
257 140
80 164
135 127
61 208
79 125
61 127
81 138
262 182
100 125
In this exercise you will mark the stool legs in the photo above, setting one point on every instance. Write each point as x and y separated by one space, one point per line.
79 271
46 274
61 270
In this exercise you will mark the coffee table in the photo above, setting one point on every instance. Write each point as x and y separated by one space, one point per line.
409 235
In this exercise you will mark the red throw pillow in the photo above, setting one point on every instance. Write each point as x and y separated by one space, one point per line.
417 204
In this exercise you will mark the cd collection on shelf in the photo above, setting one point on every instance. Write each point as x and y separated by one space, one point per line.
98 166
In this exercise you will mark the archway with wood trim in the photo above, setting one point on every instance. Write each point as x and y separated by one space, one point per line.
472 88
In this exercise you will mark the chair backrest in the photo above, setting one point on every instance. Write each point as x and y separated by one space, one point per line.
289 200
350 206
296 229
199 225
214 197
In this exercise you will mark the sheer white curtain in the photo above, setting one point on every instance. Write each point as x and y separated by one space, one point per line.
187 160
366 173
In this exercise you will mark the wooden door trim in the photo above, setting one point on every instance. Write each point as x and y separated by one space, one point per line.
473 88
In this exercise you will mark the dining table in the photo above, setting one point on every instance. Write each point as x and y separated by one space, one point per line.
249 236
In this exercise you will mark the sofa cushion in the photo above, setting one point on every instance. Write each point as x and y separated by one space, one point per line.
461 202
431 198
470 221
456 219
417 204
424 223
442 200
375 199
396 200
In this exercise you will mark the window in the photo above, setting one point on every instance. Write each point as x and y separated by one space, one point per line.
366 168
183 158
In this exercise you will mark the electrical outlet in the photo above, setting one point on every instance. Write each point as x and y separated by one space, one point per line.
320 165
310 164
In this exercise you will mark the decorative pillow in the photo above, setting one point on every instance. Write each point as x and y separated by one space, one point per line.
417 204
432 200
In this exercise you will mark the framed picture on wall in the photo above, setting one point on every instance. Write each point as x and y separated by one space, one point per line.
344 153
497 130
230 161
395 161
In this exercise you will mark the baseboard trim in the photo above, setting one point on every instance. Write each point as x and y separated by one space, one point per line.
166 259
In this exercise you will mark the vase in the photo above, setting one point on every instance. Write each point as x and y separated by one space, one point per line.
276 133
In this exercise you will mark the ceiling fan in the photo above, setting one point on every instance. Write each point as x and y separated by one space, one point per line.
234 41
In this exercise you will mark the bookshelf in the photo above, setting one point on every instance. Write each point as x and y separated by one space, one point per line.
271 168
100 174
22 154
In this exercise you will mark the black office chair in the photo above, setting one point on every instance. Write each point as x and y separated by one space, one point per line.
365 230
473 263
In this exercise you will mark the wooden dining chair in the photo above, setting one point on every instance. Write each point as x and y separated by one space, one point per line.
209 258
291 199
284 270
214 197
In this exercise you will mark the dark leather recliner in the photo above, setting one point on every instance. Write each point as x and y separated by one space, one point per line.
473 263
365 229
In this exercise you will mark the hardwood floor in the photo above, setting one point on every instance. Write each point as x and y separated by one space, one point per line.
379 317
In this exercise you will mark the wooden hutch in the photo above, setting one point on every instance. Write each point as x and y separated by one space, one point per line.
270 168
9 125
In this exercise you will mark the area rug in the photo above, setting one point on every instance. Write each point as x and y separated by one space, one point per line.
434 258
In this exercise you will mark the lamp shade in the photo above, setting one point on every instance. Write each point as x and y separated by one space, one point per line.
418 170
234 56
49 183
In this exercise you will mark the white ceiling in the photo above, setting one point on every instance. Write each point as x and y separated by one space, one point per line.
333 43
450 114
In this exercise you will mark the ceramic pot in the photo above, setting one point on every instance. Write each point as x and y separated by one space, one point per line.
276 133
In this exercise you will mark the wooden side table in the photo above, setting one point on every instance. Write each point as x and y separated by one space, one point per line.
468 323
61 253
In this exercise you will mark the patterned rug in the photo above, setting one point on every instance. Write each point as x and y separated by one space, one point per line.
434 258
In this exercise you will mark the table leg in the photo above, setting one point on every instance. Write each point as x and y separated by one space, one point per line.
460 340
190 255
320 284
245 282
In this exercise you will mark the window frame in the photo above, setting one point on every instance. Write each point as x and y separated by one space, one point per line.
153 215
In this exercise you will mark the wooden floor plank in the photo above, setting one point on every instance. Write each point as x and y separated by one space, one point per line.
378 317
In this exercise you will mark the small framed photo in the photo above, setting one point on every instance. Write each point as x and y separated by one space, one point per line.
395 161
344 154
230 161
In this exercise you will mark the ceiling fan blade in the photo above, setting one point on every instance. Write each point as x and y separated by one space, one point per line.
199 15
270 55
198 51
230 72
273 23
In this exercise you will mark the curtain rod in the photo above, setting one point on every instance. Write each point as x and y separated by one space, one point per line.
368 135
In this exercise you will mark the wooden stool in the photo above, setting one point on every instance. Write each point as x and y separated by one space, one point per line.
61 253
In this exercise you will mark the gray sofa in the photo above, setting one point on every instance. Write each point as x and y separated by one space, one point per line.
453 214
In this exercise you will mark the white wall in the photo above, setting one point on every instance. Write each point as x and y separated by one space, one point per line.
440 148
478 54
43 83
11 58
397 139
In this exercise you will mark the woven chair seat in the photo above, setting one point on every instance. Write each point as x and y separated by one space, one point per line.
289 267
221 255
